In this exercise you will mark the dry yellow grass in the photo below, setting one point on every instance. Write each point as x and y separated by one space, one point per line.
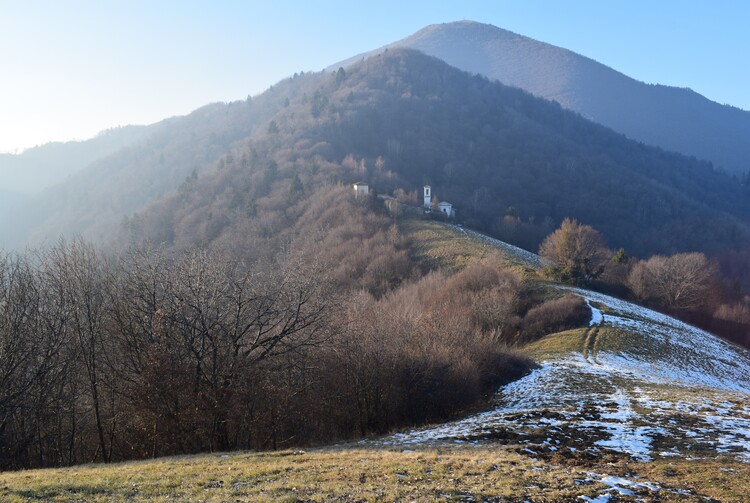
557 344
341 474
439 246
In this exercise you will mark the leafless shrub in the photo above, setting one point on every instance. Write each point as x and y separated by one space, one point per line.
554 316
680 282
738 313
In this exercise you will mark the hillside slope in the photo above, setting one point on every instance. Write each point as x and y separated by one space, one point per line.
93 202
38 168
673 118
351 474
10 199
397 121
635 383
404 119
635 407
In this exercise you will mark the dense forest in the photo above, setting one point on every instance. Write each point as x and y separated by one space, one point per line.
336 335
515 166
93 201
673 118
43 166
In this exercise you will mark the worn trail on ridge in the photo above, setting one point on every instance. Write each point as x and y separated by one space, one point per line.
590 344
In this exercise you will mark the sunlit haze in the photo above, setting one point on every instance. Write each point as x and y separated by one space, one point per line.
72 69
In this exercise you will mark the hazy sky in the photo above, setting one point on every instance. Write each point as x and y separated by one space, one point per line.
73 68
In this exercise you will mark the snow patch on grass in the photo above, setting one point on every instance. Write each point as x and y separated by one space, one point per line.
596 315
686 354
624 436
683 393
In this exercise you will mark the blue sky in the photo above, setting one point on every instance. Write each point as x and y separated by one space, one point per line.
73 68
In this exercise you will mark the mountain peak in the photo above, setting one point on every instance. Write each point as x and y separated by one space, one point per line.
672 118
465 25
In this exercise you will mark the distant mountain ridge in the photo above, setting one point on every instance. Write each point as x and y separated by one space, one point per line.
37 168
93 200
673 118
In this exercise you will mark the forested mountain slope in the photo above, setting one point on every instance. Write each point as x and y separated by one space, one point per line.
673 118
403 119
94 201
398 121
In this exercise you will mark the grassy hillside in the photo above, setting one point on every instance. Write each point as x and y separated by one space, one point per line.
351 474
438 246
634 383
636 406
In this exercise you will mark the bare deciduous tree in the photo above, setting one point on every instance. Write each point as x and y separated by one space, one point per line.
680 282
79 270
575 251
